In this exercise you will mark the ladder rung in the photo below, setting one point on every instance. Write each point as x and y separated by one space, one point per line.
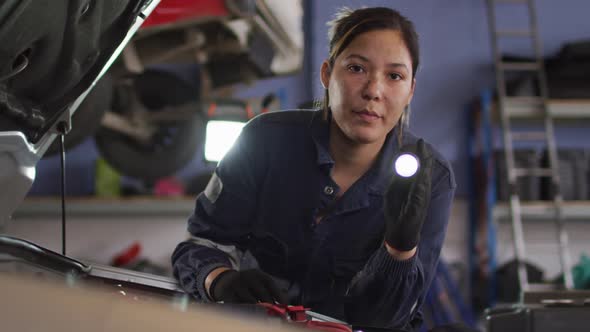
529 135
533 172
524 107
520 65
514 33
523 101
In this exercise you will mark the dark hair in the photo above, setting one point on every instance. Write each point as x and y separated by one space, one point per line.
348 24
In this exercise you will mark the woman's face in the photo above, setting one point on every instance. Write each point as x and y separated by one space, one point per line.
369 85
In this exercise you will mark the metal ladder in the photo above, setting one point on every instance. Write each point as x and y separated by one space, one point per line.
509 108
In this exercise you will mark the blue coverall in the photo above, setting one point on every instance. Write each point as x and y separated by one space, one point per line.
260 210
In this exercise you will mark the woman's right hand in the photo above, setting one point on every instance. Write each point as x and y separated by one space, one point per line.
249 286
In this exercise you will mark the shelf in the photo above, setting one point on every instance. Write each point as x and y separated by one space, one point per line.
575 108
560 109
543 210
40 207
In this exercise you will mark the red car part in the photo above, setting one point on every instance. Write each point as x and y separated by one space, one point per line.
298 315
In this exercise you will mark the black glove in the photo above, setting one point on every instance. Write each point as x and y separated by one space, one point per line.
249 286
406 201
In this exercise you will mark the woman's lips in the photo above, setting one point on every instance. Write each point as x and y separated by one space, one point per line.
367 115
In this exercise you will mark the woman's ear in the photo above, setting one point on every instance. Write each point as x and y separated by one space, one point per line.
325 72
412 90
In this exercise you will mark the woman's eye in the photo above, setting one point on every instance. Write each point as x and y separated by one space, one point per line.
395 76
355 68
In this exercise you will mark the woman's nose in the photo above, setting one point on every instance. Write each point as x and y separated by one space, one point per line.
373 89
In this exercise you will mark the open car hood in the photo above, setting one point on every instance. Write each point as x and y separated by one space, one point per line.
52 53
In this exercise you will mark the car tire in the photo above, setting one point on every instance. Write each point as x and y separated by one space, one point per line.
175 143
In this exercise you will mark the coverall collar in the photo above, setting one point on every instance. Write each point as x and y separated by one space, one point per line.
383 167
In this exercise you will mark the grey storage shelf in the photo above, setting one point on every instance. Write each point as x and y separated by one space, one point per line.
574 109
560 109
543 210
41 207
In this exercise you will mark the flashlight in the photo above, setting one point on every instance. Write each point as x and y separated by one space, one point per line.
405 168
407 165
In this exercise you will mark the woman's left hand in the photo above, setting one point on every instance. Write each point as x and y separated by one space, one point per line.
406 202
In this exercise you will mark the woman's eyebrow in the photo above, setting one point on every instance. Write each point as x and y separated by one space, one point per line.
357 56
365 59
397 65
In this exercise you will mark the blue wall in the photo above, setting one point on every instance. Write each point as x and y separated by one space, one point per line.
456 66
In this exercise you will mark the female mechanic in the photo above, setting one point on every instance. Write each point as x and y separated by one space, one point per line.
306 208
